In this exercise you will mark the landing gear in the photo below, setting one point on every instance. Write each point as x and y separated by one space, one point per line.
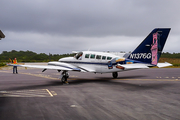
115 74
64 77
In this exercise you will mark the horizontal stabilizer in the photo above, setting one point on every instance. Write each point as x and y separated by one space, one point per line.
134 66
166 64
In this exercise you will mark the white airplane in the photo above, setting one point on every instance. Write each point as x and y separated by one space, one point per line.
145 55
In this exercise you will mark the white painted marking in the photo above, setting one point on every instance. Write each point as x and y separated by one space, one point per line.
73 106
27 93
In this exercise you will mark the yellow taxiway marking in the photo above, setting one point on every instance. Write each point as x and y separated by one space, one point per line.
6 71
49 92
37 75
40 75
54 93
27 93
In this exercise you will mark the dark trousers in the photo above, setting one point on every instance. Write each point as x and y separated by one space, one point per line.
15 69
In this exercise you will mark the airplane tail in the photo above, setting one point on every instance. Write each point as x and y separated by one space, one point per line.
149 51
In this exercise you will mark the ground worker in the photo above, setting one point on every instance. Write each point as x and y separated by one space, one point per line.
15 67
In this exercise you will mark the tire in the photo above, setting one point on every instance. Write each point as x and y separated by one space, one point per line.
67 75
115 74
63 79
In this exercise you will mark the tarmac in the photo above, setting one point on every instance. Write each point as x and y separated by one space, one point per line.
143 94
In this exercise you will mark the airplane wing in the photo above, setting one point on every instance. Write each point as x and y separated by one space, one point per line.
66 68
57 66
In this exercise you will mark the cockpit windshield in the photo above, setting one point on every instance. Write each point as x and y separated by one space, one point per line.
79 55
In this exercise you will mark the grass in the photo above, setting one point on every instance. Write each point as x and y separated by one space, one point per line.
2 64
174 61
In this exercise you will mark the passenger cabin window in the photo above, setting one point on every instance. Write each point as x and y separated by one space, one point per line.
103 57
92 56
109 58
98 57
79 56
87 56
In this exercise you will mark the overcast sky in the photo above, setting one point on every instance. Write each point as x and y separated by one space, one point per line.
62 26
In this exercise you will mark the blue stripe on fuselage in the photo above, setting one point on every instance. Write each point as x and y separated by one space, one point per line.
98 63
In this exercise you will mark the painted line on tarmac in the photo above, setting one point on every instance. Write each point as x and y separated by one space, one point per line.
130 79
40 75
27 93
49 92
37 75
6 71
151 79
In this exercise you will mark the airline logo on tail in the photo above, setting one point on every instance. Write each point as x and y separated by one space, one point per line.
154 48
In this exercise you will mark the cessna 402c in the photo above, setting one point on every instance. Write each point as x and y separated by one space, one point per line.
145 55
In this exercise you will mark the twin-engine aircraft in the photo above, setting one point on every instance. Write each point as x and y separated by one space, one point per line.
146 55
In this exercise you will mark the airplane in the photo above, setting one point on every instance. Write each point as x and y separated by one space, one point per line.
146 55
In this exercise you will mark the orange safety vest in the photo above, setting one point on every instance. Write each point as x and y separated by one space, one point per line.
15 61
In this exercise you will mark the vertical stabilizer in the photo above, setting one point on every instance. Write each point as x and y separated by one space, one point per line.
149 51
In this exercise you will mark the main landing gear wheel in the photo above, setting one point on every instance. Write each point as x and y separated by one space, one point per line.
115 74
64 77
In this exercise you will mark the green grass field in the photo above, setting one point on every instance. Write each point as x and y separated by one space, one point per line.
174 61
2 64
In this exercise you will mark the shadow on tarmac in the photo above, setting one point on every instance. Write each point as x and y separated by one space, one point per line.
124 84
125 77
138 85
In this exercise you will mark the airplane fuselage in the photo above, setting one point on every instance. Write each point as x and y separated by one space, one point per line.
97 62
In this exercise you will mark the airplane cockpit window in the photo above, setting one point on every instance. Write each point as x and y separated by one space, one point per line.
98 57
79 55
92 56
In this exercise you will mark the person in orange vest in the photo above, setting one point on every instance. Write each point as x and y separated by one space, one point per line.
15 67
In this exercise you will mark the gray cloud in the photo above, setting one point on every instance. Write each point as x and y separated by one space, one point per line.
60 25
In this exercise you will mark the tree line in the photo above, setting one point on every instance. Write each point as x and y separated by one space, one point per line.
29 56
170 55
